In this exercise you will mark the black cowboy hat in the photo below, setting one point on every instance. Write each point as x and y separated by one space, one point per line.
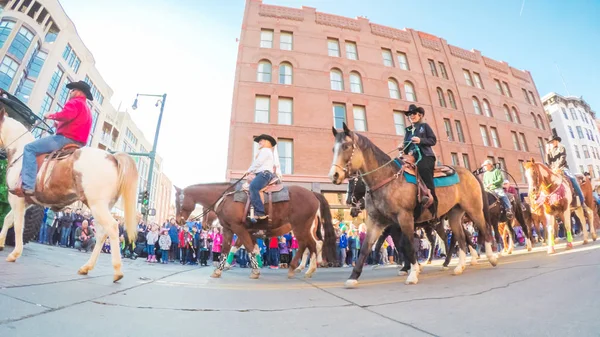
554 137
84 87
266 137
413 108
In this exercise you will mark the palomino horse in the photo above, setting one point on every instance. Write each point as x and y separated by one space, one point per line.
89 175
391 199
552 193
306 213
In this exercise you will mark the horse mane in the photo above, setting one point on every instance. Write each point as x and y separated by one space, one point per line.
210 184
365 144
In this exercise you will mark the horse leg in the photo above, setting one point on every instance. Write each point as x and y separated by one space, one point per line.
471 246
458 234
579 212
373 232
111 228
89 265
448 248
431 238
246 240
550 222
8 223
312 266
590 212
397 236
294 268
304 252
507 232
18 207
479 221
406 221
566 218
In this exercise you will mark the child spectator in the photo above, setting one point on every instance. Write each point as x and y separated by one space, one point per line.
151 239
274 252
165 245
203 246
193 260
106 246
284 253
293 246
217 243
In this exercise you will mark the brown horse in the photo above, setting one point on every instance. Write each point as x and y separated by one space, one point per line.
535 219
551 193
588 195
306 213
392 200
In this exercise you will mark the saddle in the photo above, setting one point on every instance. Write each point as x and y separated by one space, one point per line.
274 186
44 169
571 187
439 171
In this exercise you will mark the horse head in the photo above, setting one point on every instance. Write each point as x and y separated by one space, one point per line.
355 195
347 157
184 206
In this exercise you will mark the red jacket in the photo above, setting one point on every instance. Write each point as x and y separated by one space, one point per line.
75 120
274 242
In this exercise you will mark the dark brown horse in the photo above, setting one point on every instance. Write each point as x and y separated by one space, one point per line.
306 213
392 199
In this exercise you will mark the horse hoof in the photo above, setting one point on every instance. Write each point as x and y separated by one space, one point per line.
298 270
82 271
307 275
458 270
117 277
551 250
291 274
11 258
528 249
351 284
493 260
254 276
411 280
473 262
444 268
593 238
216 274
569 245
428 262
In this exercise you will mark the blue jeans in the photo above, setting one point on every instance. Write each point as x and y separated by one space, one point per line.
341 255
43 233
258 183
64 236
575 185
274 257
150 249
504 198
35 148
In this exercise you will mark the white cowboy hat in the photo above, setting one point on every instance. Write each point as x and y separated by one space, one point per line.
487 162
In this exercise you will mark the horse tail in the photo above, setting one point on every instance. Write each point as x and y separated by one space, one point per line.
326 222
518 210
128 186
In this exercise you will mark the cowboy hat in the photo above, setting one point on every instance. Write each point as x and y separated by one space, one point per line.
414 109
487 162
83 87
266 137
554 137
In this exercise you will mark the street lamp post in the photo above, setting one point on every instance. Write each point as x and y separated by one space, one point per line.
152 153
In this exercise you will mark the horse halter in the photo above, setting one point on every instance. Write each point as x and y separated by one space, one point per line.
346 168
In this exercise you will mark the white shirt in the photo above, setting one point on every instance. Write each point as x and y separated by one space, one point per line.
264 161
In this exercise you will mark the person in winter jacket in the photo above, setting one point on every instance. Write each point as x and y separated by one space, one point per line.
174 234
151 239
217 238
203 246
165 245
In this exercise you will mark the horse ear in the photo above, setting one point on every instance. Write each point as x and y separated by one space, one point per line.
334 131
346 129
532 160
177 189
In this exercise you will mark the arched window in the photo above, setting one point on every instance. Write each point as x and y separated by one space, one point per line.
451 99
355 83
541 122
535 121
487 109
409 92
393 87
285 73
336 79
441 98
264 71
476 105
507 114
515 115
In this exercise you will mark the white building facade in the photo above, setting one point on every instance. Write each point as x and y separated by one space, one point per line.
575 122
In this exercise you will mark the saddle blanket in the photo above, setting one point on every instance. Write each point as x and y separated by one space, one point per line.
438 182
281 196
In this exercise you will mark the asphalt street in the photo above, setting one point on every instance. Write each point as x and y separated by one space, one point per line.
528 294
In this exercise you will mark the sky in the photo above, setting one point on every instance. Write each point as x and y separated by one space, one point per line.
188 49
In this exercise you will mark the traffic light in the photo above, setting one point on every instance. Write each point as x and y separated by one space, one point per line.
146 198
140 197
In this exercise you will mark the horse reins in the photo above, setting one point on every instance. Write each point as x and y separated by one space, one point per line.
211 208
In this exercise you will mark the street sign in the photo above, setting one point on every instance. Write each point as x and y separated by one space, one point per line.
152 212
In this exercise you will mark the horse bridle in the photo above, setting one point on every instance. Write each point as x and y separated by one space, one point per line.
346 168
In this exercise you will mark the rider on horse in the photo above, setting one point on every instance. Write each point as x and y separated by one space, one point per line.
73 126
556 157
265 166
418 140
493 181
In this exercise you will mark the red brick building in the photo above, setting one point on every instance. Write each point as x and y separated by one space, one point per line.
300 71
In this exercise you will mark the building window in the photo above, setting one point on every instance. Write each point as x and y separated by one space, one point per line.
484 135
571 131
393 88
131 137
498 87
5 30
515 115
55 80
285 148
523 142
403 61
448 128
433 68
285 73
541 147
526 96
459 131
36 63
478 82
495 138
468 79
576 152
285 111
565 113
476 105
586 153
94 120
535 122
573 114
581 169
355 83
451 99
336 79
333 47
399 123
46 104
24 90
506 89
71 57
454 157
266 38
541 122
580 132
21 43
532 98
387 58
286 40
466 162
360 118
261 109
409 92
339 115
486 108
351 51
515 141
441 98
264 72
443 70
507 114
502 163
522 171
